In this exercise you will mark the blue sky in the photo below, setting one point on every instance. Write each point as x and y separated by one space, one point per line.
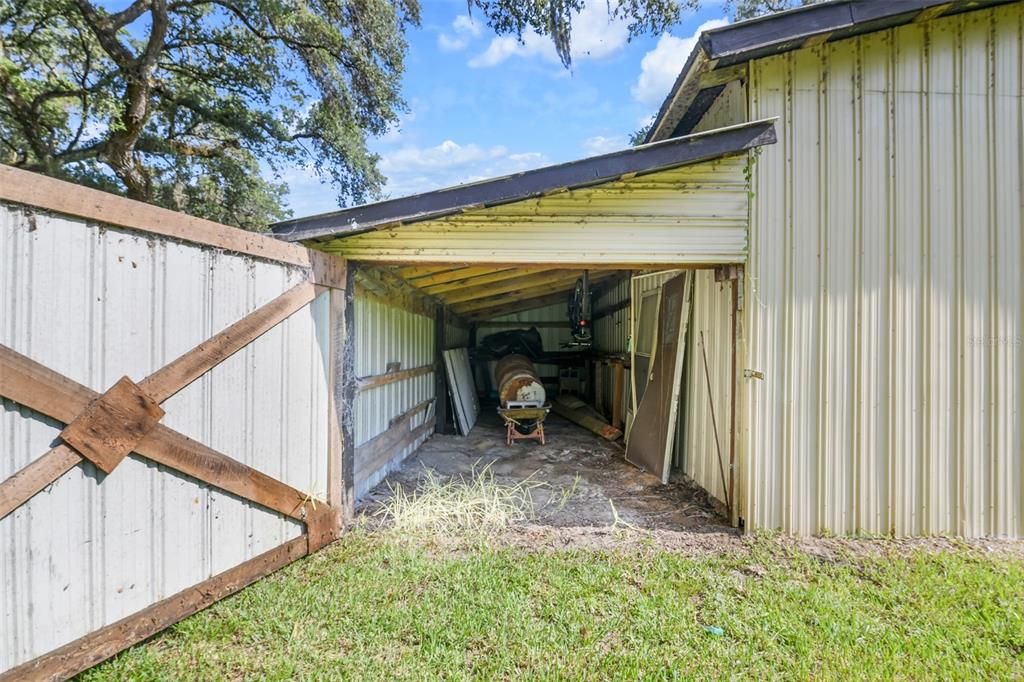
482 105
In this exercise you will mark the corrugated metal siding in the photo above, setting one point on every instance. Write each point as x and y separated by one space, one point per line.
551 337
885 289
385 333
611 332
455 336
694 214
728 109
712 315
96 303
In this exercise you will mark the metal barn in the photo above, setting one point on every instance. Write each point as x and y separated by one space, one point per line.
839 185
867 352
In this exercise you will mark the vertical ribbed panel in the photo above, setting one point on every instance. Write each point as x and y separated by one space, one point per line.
551 337
884 299
384 334
455 336
96 303
611 332
712 315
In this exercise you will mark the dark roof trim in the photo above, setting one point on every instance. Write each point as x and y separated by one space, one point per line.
595 170
785 31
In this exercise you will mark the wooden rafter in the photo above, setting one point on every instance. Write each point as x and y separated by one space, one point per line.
563 285
524 281
489 276
518 306
455 275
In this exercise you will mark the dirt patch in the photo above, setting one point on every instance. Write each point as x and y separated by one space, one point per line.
585 479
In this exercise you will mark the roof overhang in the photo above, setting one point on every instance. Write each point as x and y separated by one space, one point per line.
722 54
596 170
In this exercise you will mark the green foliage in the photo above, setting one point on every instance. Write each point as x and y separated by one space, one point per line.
639 136
747 9
183 102
191 103
367 608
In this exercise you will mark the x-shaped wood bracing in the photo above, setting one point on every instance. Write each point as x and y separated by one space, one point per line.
104 428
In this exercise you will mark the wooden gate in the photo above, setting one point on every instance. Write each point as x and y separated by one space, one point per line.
101 427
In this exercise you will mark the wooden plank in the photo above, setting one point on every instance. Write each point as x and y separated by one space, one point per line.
335 414
26 483
179 373
532 279
113 424
384 455
39 191
56 396
440 378
442 274
513 325
377 380
346 398
98 646
370 453
519 306
488 276
618 385
162 384
565 284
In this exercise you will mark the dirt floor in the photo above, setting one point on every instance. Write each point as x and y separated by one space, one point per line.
582 476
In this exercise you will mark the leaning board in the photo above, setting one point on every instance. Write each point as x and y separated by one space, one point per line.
461 388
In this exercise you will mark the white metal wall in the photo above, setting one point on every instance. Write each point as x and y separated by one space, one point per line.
884 300
693 214
384 334
96 303
712 315
611 332
551 337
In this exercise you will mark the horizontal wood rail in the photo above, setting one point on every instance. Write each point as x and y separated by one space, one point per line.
98 646
39 191
39 388
366 383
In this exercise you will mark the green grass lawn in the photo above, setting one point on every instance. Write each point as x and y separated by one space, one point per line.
368 607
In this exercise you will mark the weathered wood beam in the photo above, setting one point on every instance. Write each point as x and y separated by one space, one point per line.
366 383
161 385
39 388
39 191
524 281
566 284
104 643
490 275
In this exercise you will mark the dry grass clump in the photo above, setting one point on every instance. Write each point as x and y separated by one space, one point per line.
459 505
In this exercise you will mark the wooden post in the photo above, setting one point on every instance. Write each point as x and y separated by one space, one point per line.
440 376
347 383
618 383
336 416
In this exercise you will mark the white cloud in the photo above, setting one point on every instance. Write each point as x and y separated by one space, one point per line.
467 25
595 35
599 144
413 169
464 28
660 67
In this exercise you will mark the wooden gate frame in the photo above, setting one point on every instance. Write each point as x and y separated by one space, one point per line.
104 428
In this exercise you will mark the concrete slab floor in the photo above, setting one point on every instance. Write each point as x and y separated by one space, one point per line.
573 459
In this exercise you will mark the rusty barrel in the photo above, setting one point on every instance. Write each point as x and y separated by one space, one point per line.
517 381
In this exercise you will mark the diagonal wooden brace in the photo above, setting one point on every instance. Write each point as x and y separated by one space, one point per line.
113 424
